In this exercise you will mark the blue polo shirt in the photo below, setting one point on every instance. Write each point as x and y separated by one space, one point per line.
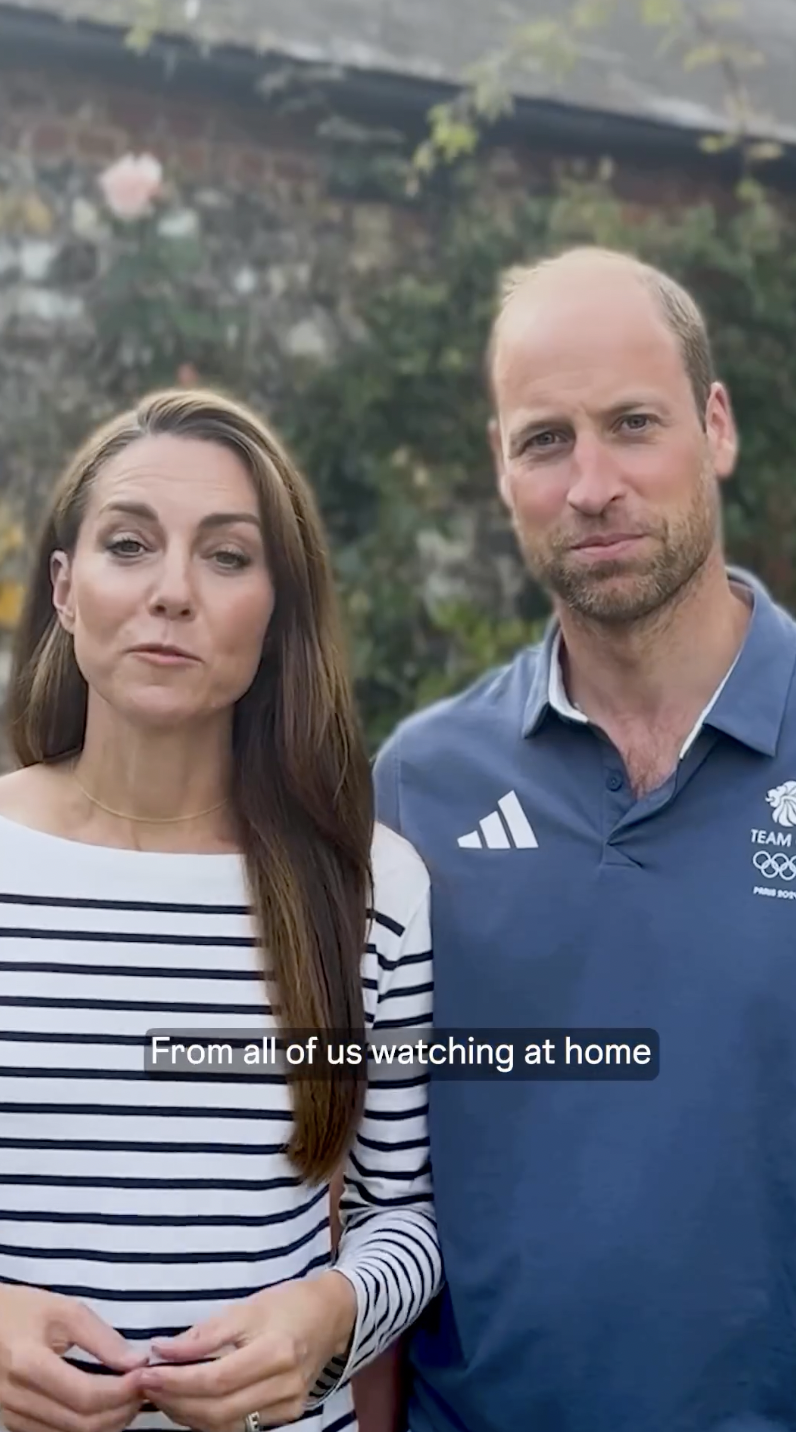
620 1256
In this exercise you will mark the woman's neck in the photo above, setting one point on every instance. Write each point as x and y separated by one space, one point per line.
162 790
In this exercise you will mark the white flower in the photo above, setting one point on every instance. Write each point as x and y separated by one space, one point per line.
782 800
131 184
182 225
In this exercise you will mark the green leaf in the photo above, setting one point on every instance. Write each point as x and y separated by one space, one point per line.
490 90
193 323
662 13
147 20
764 150
723 52
591 14
451 134
723 10
717 143
711 53
546 44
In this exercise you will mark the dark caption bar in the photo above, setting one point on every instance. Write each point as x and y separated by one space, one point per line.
483 1054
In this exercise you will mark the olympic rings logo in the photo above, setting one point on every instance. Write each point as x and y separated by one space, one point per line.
775 865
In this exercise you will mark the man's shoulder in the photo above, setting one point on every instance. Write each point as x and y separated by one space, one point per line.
495 701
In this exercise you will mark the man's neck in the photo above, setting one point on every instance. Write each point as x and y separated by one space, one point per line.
658 674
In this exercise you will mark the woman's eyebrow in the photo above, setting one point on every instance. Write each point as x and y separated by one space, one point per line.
213 519
225 519
131 509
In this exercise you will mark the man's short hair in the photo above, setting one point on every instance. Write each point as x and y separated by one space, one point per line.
680 311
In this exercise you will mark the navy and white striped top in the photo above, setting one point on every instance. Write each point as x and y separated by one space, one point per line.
159 1200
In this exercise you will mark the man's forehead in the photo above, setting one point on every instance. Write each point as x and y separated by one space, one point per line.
579 296
581 277
580 328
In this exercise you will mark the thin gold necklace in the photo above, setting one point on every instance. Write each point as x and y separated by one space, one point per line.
146 819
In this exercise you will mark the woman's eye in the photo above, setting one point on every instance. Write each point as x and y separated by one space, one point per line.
231 560
126 547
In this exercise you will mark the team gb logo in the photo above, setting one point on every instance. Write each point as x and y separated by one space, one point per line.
782 800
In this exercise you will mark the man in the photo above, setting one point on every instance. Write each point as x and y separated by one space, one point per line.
608 826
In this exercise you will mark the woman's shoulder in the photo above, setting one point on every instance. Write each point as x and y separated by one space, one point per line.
43 854
398 958
399 872
35 801
29 794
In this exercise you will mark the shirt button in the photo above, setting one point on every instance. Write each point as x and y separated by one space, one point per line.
614 782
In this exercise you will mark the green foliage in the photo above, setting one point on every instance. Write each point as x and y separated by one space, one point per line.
151 309
396 445
393 434
147 19
702 33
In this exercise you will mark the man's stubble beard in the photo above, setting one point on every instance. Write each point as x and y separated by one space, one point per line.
648 584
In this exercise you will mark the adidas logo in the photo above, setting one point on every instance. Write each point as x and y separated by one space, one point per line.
506 831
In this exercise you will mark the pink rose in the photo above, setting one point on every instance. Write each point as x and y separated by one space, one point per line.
131 184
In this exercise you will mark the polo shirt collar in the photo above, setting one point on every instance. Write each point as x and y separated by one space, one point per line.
748 705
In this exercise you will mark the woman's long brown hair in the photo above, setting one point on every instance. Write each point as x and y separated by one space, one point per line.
302 786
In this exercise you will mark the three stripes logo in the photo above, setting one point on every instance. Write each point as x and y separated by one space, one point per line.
506 828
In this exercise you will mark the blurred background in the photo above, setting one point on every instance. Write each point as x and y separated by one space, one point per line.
308 203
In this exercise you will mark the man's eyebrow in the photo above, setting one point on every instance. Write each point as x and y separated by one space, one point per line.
637 402
213 519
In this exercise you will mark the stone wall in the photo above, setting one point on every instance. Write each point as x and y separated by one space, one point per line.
277 241
274 238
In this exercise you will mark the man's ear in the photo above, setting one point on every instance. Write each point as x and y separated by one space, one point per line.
722 433
61 578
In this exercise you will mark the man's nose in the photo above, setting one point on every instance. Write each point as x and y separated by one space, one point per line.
596 477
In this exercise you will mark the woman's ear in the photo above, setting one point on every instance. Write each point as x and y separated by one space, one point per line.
61 578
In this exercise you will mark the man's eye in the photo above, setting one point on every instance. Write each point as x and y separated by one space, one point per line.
542 440
637 422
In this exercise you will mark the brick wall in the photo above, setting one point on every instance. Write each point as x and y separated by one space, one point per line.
52 117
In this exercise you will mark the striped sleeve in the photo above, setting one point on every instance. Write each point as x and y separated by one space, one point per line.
389 1248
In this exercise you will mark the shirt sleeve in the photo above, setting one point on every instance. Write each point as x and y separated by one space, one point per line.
388 1247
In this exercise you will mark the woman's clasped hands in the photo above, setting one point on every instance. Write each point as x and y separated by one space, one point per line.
264 1355
39 1390
267 1354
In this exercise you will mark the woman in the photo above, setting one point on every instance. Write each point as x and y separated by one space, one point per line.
188 844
